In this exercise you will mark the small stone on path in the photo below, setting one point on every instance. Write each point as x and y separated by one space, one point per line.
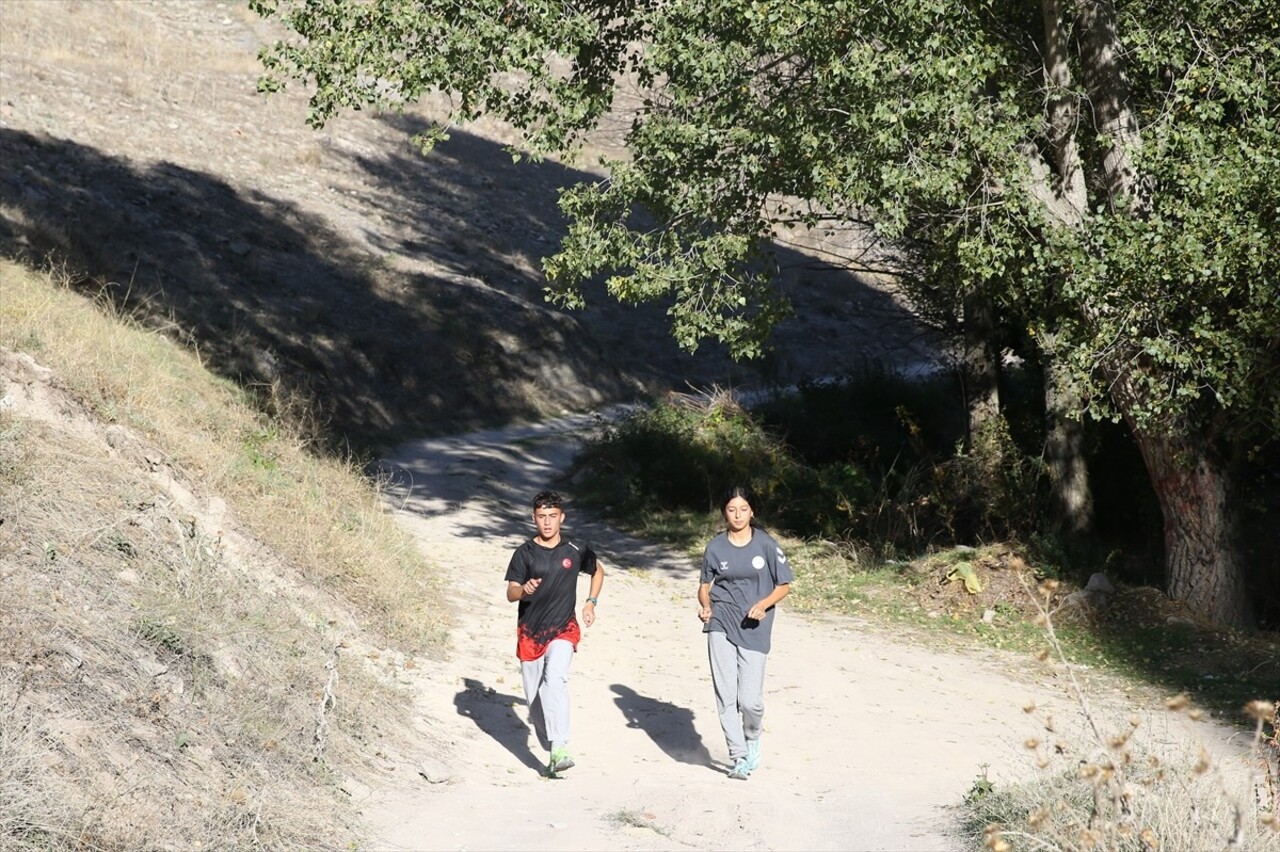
434 771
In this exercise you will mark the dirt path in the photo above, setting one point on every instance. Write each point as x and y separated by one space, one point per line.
867 742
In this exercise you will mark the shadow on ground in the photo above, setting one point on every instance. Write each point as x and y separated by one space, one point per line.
492 712
486 479
670 727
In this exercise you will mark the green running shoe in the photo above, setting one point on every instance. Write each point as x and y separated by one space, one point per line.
753 755
740 770
560 761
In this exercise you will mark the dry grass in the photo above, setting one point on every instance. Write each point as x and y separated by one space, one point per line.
319 514
133 40
29 814
188 600
1137 783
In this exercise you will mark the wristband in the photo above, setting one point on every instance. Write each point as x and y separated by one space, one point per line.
593 601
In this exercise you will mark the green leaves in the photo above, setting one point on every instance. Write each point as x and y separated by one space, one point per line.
491 56
925 118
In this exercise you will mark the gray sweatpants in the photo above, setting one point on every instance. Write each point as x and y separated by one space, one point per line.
738 677
547 679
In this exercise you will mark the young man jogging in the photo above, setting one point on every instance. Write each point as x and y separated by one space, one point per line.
543 578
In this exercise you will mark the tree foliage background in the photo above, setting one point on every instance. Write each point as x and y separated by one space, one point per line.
1106 175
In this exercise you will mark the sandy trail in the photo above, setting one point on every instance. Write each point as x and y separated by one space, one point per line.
868 740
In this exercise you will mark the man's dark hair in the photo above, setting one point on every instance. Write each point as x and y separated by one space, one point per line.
548 500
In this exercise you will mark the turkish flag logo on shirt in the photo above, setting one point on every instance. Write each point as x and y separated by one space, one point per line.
567 563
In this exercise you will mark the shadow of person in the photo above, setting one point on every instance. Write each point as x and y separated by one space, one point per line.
670 727
493 713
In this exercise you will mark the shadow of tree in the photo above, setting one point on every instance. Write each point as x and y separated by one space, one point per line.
501 470
840 320
279 301
414 306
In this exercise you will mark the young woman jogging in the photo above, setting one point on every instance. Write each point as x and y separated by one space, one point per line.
744 574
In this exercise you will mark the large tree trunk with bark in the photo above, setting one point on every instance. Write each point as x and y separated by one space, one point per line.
982 363
1070 494
1203 565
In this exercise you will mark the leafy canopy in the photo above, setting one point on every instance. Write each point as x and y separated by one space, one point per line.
920 122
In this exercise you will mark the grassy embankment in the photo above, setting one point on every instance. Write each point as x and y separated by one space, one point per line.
200 618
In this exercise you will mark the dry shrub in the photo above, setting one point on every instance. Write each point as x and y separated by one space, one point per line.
1141 782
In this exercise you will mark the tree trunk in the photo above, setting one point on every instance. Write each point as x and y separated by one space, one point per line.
1063 191
1114 119
982 363
1203 566
1070 495
1068 192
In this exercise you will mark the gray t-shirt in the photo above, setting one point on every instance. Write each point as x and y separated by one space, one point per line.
741 576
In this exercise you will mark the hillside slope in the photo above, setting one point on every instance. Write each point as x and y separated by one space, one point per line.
199 620
394 294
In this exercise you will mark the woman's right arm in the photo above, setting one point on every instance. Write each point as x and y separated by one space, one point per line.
704 602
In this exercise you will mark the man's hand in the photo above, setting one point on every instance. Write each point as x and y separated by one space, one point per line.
531 586
589 613
705 614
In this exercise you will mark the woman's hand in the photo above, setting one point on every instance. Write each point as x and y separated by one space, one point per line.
705 614
756 613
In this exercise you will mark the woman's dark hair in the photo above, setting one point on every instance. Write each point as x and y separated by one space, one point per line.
735 492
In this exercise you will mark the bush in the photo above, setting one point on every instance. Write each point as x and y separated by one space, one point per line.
993 491
870 458
1140 783
681 454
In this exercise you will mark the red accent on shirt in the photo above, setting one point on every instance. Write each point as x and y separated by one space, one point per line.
528 649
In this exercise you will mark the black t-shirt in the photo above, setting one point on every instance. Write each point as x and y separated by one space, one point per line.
549 611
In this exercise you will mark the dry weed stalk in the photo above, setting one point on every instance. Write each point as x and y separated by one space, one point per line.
328 699
1266 756
1114 799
